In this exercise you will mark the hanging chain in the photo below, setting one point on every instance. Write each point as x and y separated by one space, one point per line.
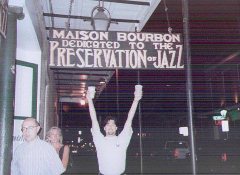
166 11
51 10
101 3
117 95
69 13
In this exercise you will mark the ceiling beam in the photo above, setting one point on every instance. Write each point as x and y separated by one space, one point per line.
86 18
85 73
128 2
76 83
81 71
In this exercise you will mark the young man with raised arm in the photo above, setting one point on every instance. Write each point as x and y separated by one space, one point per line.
112 148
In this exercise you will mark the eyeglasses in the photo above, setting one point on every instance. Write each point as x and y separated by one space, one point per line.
30 128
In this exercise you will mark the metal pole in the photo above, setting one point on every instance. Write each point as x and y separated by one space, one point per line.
187 50
140 130
117 94
7 88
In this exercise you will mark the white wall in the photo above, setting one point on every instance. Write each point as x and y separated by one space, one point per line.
27 93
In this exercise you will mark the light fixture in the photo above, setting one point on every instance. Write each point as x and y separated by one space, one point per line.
82 102
102 81
99 19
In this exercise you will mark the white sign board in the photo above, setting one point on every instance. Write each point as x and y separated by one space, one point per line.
218 117
225 126
183 131
111 50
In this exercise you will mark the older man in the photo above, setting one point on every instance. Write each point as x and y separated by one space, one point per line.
35 156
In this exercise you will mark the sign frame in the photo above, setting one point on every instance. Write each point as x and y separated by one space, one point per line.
115 50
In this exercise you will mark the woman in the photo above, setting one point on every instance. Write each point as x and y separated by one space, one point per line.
55 138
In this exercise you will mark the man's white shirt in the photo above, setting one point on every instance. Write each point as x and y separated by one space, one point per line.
111 151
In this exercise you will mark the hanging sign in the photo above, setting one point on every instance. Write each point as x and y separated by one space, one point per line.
3 17
218 117
111 50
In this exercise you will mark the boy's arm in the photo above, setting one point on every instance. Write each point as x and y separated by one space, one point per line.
131 113
92 111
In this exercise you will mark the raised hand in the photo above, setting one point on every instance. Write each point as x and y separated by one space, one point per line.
138 92
91 92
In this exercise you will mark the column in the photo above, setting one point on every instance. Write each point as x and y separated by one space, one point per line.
7 85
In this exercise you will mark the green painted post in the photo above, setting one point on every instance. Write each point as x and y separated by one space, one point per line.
7 88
